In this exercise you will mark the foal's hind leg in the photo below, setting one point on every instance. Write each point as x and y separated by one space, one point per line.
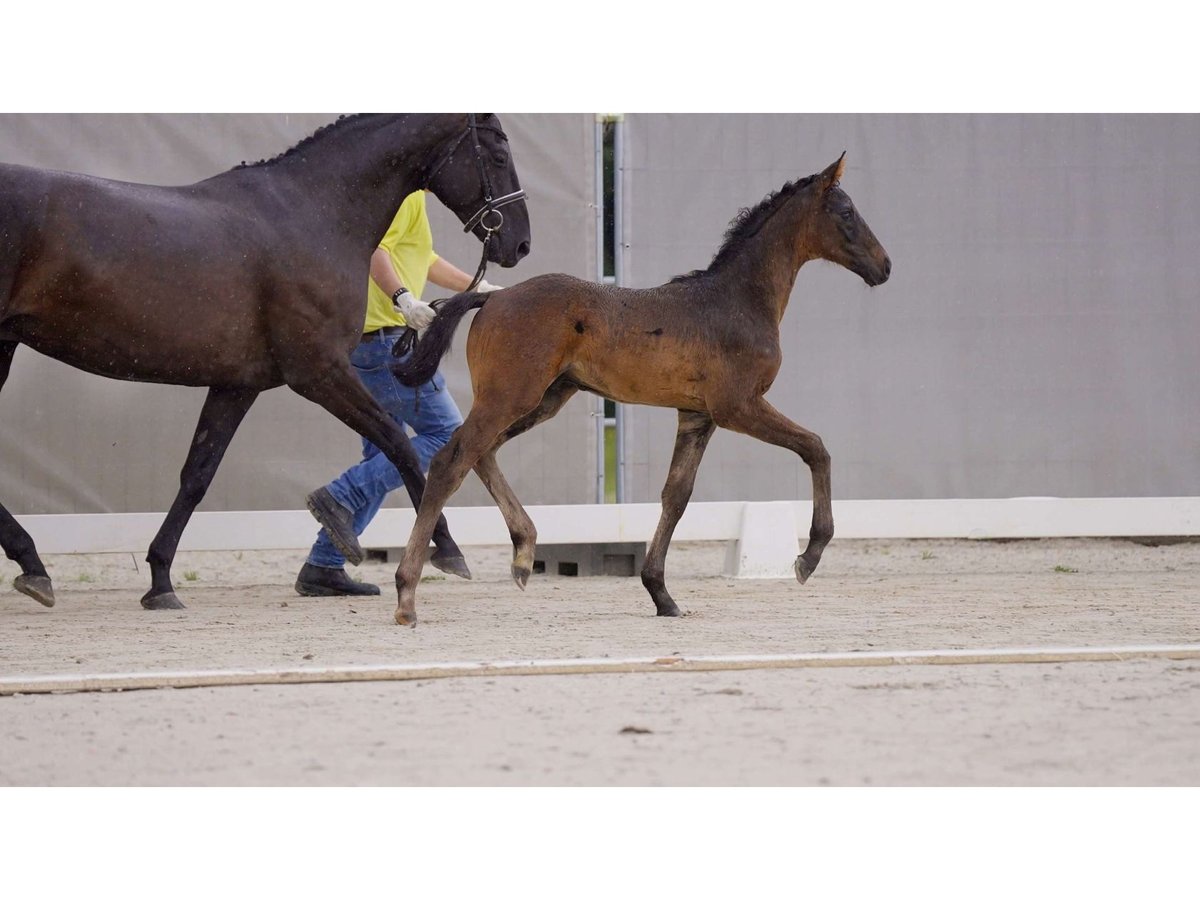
520 526
691 439
761 420
223 412
18 545
338 390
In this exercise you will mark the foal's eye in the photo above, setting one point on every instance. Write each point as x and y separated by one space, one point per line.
847 214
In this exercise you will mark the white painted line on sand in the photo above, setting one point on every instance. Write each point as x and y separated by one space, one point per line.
135 681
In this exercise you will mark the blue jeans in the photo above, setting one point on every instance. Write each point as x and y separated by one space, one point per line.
434 418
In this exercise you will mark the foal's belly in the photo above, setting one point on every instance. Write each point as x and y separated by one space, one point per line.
649 381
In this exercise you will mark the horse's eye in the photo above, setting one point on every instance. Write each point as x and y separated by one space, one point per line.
847 214
500 158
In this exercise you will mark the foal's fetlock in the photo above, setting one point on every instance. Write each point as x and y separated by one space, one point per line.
522 566
406 599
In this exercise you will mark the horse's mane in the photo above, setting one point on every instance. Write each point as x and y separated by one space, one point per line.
746 224
336 125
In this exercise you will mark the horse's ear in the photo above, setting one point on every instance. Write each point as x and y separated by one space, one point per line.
833 174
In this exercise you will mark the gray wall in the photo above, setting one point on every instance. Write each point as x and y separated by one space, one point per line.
1040 334
75 443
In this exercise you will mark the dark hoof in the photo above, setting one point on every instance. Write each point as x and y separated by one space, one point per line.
803 569
669 609
317 581
520 575
36 586
451 565
338 523
162 601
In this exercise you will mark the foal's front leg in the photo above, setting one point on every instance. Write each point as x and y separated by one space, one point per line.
691 439
761 420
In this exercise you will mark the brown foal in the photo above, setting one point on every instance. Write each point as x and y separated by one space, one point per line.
706 343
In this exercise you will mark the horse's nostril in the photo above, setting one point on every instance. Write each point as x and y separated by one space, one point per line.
887 266
522 249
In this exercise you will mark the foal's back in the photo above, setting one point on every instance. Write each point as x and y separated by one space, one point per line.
667 346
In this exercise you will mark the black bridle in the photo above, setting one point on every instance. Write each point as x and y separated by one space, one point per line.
491 205
491 208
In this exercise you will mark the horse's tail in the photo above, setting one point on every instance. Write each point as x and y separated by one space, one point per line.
421 365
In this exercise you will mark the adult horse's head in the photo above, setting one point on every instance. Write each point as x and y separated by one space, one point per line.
474 176
839 234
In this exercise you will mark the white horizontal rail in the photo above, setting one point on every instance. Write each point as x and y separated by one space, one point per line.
136 681
1022 517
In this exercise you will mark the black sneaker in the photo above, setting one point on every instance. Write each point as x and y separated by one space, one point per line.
317 581
338 522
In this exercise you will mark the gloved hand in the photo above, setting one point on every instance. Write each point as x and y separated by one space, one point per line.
486 287
417 314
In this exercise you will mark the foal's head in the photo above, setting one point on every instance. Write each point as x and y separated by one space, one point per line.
478 181
837 232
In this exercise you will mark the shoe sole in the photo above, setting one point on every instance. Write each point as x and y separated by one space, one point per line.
353 552
319 590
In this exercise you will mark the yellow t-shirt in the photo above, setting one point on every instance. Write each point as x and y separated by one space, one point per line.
409 242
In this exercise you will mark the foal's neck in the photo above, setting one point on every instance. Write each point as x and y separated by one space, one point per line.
772 257
364 169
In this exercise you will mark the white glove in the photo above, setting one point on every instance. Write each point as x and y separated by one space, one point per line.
486 287
417 313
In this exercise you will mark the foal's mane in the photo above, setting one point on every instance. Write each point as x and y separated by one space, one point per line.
336 125
746 224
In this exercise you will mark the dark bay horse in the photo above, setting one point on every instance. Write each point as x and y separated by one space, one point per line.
706 344
252 279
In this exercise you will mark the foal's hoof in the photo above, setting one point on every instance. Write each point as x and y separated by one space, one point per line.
36 586
406 618
162 601
803 569
520 575
451 565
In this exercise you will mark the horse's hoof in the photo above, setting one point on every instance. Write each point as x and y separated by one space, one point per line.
451 565
406 618
36 586
520 575
162 601
803 569
669 610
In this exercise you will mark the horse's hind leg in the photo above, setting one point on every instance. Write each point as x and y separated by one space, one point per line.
223 412
691 439
18 545
520 526
761 420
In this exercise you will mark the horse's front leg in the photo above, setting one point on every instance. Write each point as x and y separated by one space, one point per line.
223 412
336 388
761 420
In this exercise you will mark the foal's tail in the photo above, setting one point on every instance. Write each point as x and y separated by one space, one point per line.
422 364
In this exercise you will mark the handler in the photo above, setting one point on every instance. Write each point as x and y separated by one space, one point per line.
400 267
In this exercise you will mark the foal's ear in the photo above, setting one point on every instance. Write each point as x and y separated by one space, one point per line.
833 174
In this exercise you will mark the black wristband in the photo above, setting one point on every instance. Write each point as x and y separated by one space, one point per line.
396 296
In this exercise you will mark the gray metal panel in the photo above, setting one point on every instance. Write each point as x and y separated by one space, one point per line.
1040 334
72 442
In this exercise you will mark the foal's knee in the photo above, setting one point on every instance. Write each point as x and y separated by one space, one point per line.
814 454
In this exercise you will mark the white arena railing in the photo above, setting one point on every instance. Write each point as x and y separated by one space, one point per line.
762 536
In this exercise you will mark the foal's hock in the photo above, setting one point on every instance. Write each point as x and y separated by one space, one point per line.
705 343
